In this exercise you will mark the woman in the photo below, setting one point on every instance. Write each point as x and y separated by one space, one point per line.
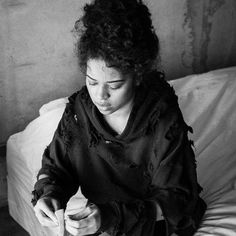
122 137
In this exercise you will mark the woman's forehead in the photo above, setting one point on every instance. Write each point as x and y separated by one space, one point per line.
99 67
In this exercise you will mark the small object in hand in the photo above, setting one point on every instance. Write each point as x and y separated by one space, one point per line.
60 217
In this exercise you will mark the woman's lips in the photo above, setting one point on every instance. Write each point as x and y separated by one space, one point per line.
103 106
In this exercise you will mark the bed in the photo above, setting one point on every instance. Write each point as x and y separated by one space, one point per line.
208 102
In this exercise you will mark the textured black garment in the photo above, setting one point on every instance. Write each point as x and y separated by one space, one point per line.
125 176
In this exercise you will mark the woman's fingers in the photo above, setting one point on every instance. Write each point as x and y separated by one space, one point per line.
90 220
73 223
82 214
81 231
75 220
44 210
80 225
55 205
44 220
49 213
72 230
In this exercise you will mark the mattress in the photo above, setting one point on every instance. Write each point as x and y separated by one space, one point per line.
208 103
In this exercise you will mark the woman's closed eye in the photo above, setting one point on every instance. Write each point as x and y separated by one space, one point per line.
113 86
116 85
92 83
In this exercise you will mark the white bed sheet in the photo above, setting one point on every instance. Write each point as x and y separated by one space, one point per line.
21 210
208 102
16 163
20 181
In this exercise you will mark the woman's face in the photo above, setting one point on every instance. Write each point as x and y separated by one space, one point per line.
110 91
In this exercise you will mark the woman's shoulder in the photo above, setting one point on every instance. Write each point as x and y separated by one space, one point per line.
79 99
78 95
73 106
159 92
166 103
72 119
79 106
157 82
156 105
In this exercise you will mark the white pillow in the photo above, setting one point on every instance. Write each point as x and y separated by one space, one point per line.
208 103
60 102
36 136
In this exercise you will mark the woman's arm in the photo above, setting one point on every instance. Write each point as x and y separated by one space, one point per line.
55 178
174 182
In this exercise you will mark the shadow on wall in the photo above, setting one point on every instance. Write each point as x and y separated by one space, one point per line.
195 36
38 62
213 34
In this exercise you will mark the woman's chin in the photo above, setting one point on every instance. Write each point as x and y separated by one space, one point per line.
105 110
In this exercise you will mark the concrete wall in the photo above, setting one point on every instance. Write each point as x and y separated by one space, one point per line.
196 36
38 64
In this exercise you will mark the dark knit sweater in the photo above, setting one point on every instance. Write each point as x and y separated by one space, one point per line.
125 176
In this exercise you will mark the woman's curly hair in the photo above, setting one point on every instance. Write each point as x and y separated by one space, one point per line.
121 33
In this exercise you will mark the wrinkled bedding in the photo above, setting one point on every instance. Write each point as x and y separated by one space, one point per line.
208 103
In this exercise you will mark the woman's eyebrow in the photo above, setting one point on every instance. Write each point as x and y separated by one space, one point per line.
115 81
90 77
109 82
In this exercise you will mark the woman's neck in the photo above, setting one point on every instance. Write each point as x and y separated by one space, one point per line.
119 119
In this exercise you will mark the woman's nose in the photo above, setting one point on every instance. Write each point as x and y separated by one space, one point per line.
102 93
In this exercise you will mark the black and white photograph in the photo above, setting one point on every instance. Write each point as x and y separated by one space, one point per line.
118 117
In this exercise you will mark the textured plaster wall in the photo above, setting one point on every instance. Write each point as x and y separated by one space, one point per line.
195 36
38 64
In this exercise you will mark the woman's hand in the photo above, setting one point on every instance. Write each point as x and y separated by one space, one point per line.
88 221
45 211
